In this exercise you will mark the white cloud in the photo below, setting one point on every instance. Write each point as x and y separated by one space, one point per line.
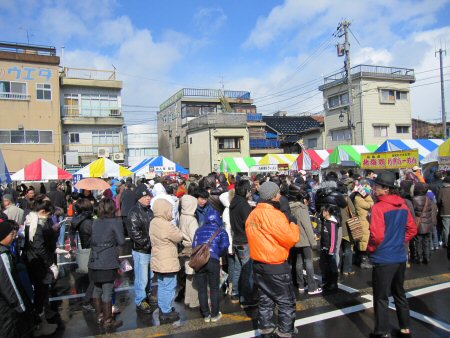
369 55
210 20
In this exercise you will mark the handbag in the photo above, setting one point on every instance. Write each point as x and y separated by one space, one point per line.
354 226
200 254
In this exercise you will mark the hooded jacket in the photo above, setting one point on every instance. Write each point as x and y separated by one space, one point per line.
83 224
128 200
57 197
188 222
138 227
391 226
164 237
219 244
159 192
225 199
301 213
239 212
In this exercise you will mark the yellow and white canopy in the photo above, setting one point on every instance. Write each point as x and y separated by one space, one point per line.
288 159
104 167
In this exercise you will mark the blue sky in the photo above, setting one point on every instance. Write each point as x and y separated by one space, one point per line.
278 50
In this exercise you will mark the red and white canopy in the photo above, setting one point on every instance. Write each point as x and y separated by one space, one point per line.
41 170
311 159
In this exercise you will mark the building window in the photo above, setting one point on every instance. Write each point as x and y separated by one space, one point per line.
341 135
387 96
97 105
380 131
74 138
229 143
177 141
109 139
13 90
43 91
402 129
402 96
311 143
338 100
184 139
26 136
190 140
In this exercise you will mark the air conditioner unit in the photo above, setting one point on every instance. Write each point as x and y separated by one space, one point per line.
114 112
118 156
103 152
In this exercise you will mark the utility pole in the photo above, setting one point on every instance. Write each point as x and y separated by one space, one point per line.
444 117
343 30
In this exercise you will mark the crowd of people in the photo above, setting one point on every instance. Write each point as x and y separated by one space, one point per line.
262 234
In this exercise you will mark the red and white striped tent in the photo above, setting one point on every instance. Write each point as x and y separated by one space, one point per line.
41 170
311 159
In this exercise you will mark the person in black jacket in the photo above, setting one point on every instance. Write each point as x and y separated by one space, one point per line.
57 197
82 223
107 235
14 304
138 225
38 254
243 282
127 201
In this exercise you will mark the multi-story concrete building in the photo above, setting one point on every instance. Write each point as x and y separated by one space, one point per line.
29 104
218 109
91 114
141 141
381 106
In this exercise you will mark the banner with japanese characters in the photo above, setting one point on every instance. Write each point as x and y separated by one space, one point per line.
390 160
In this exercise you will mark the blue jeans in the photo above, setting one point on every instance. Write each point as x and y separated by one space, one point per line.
143 275
445 229
62 234
167 285
243 281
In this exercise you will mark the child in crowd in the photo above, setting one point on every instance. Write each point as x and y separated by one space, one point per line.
328 247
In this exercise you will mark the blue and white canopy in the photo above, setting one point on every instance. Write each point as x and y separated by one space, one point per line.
425 146
5 177
158 164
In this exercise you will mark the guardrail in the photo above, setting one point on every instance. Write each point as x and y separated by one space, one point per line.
15 96
77 111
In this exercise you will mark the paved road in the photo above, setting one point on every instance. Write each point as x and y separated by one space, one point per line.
347 313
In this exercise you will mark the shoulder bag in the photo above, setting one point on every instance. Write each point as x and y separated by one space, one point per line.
200 254
354 226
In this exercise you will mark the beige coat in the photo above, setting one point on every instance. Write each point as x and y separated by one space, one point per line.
363 207
188 226
164 237
301 213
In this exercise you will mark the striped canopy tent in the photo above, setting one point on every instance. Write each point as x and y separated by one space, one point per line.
311 159
238 164
5 176
104 167
442 151
288 159
425 146
348 155
141 168
41 170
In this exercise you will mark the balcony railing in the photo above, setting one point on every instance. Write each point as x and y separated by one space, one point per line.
89 74
77 111
15 96
263 144
219 120
92 149
254 117
374 71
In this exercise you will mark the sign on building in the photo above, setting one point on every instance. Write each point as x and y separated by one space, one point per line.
390 160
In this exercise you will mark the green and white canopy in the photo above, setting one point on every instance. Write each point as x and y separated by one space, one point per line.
238 164
348 155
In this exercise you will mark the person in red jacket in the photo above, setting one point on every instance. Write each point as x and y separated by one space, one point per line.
392 226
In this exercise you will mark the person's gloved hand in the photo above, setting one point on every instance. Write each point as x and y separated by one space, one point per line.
54 270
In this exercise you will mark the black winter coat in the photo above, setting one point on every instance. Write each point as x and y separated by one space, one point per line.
426 215
107 235
138 226
83 224
328 194
57 198
14 303
239 211
127 201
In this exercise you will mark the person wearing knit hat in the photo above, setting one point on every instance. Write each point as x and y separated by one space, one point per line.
270 236
268 191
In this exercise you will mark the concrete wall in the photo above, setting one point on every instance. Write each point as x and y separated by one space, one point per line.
141 137
204 153
31 113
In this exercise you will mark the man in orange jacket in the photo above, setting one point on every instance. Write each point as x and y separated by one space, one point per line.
270 237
